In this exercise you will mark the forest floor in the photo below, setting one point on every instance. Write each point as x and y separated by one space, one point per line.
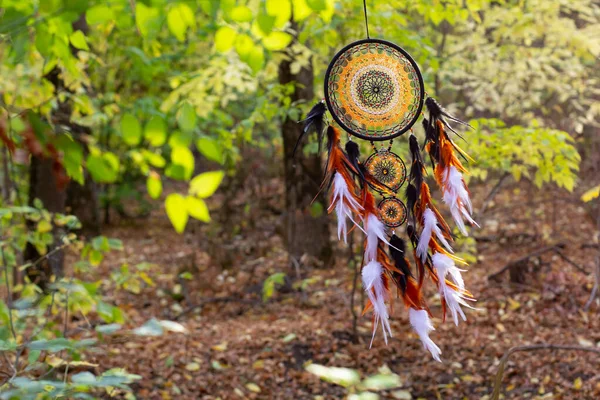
237 346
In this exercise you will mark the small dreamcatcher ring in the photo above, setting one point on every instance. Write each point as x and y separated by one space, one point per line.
392 212
374 89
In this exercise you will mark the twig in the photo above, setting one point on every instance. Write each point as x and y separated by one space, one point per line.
525 258
541 346
8 295
573 263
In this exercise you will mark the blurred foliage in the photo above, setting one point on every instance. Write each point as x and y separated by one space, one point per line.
151 85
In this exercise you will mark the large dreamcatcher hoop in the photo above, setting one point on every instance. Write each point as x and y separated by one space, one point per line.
374 91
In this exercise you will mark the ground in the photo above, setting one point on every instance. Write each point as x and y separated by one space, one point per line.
237 346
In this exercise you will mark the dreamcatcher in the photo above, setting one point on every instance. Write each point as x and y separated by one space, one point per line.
374 91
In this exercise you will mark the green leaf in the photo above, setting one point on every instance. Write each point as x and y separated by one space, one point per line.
83 378
244 45
131 130
186 118
147 19
180 139
78 41
210 149
281 10
72 156
155 131
268 289
265 22
176 207
108 329
197 208
154 185
205 184
340 376
99 14
277 41
156 160
52 346
317 5
301 10
179 19
241 14
103 168
182 158
224 38
256 59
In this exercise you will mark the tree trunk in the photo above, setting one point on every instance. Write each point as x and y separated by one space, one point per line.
43 186
306 233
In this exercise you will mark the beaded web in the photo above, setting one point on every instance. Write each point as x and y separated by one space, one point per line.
374 90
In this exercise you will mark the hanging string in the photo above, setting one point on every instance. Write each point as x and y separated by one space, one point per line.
366 18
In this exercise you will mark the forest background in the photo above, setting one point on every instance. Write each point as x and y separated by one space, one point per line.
158 241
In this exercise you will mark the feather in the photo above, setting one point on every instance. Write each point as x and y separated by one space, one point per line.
420 322
353 153
397 250
412 196
453 296
430 225
456 196
375 232
314 119
437 112
345 204
372 278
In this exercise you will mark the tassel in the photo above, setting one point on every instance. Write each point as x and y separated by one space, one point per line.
314 119
353 153
373 282
345 204
422 325
430 225
453 296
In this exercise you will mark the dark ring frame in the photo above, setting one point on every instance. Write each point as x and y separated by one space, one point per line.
421 87
376 153
396 200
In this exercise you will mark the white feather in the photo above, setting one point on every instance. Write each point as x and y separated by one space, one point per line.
457 198
430 225
345 205
375 232
373 285
444 266
422 325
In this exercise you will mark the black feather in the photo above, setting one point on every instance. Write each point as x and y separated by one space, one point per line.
412 196
353 152
313 120
416 169
437 113
400 262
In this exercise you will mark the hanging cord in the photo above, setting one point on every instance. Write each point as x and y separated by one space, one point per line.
366 18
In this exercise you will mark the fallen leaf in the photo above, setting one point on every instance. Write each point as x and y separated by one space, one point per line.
253 387
194 366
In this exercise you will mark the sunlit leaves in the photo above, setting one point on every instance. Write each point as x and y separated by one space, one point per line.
224 38
268 288
277 40
179 19
186 117
256 59
155 131
210 149
99 14
78 40
281 10
147 19
176 208
197 208
131 130
591 194
104 168
244 45
241 14
154 185
205 184
182 164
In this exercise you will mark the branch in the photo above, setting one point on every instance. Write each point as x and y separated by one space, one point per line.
541 346
525 258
